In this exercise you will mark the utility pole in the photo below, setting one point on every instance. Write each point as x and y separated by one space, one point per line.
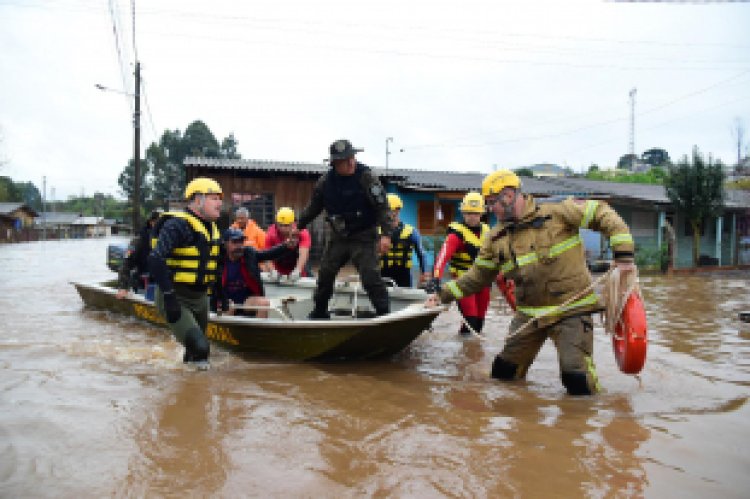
44 210
137 150
632 128
387 152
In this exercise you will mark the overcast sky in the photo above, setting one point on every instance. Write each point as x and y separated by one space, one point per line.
458 85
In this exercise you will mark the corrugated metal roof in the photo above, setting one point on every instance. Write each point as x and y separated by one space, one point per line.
256 165
8 208
468 181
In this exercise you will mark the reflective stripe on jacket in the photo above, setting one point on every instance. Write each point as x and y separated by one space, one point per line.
192 264
543 254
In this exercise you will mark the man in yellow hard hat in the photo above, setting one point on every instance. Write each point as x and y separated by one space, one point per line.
460 248
406 241
184 262
538 246
295 263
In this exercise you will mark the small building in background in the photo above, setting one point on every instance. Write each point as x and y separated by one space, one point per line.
16 221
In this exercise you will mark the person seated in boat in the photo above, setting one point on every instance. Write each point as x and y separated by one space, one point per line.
254 235
134 270
396 263
296 263
239 284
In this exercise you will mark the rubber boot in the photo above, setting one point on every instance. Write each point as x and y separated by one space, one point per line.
503 369
197 349
480 324
473 322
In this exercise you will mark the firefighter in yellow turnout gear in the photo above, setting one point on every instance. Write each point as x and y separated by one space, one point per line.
539 247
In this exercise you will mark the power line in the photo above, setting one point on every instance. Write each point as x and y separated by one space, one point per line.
446 144
148 111
123 73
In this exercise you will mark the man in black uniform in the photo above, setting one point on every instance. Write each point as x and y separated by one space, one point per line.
355 205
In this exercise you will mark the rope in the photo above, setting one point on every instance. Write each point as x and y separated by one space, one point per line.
567 302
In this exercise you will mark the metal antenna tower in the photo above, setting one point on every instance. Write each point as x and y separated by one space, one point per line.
632 126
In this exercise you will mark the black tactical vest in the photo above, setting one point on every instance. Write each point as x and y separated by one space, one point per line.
346 200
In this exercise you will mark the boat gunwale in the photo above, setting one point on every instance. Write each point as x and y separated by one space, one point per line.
410 311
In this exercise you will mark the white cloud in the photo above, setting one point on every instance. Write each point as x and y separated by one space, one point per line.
458 85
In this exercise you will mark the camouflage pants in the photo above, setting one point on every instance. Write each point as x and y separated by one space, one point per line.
574 341
338 251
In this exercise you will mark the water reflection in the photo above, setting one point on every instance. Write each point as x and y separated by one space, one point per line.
97 404
181 440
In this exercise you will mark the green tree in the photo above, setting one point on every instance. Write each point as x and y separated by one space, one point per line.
656 157
101 205
168 175
627 161
30 195
696 188
20 192
8 191
524 172
229 147
126 181
199 141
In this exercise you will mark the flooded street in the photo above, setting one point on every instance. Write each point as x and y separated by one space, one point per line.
95 404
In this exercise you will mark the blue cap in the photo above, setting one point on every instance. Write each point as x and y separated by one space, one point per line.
233 234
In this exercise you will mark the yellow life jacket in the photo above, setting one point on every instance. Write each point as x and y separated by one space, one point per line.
401 249
462 260
192 264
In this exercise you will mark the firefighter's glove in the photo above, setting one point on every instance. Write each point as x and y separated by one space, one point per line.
172 307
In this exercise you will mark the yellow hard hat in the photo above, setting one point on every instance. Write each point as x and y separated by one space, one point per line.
394 202
473 202
203 185
285 216
499 180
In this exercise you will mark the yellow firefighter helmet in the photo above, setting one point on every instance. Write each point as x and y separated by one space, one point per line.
285 216
394 202
203 185
499 180
473 202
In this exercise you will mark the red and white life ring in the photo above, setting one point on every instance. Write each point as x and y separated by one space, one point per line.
630 339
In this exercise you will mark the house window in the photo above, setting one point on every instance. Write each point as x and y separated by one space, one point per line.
433 217
260 206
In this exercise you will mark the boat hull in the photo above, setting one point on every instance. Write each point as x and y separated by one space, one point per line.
336 339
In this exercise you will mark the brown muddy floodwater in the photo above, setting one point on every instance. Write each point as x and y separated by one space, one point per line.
93 405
